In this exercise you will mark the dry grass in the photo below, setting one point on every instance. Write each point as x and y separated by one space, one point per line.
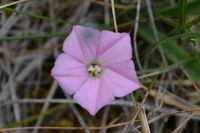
167 103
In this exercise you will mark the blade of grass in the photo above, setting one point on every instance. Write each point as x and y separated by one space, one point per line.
186 26
114 15
182 5
35 117
186 35
171 99
192 8
169 67
104 127
40 17
164 19
34 36
13 3
183 123
174 52
143 120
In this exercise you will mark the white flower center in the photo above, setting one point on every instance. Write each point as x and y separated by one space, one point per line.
94 69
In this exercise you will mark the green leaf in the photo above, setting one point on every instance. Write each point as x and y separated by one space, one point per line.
173 52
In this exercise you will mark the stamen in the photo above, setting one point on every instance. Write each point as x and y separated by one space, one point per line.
94 69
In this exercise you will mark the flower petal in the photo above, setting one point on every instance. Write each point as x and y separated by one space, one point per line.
72 46
118 84
70 84
126 69
93 95
105 96
116 52
82 43
66 65
108 38
69 73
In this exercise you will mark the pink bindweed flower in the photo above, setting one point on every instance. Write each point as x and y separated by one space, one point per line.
96 67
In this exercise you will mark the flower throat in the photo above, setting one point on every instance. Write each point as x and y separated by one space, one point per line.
94 69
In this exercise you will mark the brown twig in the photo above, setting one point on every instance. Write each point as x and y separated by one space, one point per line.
103 127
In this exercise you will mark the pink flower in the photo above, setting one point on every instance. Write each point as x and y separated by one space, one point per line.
96 67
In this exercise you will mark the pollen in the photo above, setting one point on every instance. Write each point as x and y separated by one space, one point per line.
94 69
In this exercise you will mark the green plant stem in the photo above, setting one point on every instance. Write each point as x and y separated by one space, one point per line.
40 17
35 117
164 19
173 52
187 35
182 6
34 36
